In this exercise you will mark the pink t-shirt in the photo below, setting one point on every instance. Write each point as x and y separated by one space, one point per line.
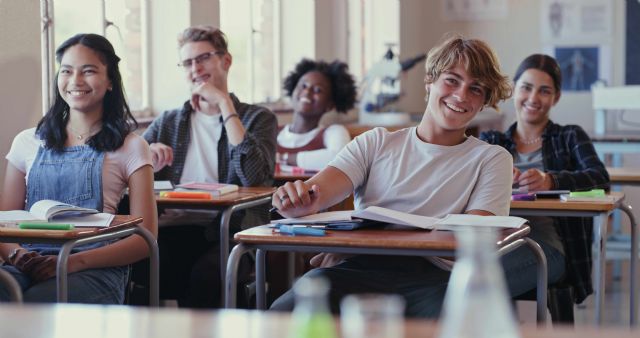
117 167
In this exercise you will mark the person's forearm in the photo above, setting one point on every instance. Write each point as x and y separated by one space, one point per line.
122 252
233 124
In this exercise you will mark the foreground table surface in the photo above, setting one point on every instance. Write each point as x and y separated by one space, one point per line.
66 321
405 238
119 222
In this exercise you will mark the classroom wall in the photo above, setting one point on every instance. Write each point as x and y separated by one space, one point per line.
421 27
20 95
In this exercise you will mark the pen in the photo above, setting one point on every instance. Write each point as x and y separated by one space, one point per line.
274 209
294 230
45 226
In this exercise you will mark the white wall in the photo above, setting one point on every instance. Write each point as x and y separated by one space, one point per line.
20 72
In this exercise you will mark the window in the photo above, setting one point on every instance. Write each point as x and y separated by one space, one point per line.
123 23
368 38
266 39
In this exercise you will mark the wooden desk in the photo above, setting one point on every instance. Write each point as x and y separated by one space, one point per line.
245 197
600 212
281 178
121 226
72 320
366 242
624 176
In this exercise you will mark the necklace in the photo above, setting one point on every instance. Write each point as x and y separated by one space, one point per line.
531 141
80 136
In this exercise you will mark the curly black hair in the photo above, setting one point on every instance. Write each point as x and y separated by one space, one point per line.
343 88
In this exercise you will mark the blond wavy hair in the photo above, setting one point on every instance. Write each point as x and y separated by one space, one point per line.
478 59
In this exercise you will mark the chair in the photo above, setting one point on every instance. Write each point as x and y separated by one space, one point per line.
560 302
15 292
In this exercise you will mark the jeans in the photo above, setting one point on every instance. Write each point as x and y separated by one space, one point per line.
419 282
93 286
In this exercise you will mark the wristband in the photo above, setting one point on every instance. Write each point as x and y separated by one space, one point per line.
224 122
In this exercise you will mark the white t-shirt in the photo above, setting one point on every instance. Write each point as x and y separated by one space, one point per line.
201 163
117 166
335 137
397 170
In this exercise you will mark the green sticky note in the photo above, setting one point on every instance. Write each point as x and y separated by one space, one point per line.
45 226
590 193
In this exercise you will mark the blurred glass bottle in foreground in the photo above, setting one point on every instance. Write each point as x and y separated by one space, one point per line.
477 302
311 317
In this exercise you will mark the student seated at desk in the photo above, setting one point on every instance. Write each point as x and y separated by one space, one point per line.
213 137
82 152
432 170
315 87
549 156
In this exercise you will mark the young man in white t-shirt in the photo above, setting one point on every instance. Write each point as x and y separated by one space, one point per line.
432 170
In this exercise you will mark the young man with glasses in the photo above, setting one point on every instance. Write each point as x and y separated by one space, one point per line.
213 137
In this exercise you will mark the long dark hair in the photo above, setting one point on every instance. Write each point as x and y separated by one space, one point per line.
543 63
117 121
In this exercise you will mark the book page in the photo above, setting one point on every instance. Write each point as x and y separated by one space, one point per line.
453 220
48 209
322 217
396 217
100 220
13 216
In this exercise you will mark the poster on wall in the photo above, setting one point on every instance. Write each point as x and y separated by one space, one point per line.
580 21
582 66
468 10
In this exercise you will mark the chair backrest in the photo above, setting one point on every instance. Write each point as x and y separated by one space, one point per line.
15 292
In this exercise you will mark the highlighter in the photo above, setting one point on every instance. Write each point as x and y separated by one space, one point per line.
45 226
186 194
305 231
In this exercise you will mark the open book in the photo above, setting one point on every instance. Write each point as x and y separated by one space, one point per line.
215 189
57 212
338 220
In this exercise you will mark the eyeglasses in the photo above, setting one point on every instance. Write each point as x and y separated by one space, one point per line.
186 64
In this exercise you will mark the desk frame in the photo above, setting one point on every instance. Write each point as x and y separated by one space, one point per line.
227 208
600 219
508 244
105 234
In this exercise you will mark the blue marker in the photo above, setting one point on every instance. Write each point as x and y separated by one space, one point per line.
297 230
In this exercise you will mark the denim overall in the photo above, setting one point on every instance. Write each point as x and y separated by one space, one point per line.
74 176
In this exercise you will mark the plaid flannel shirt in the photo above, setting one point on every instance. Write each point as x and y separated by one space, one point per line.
250 163
570 158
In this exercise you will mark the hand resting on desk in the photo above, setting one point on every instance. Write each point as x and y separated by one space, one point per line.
293 199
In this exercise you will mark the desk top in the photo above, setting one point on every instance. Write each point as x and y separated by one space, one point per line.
72 320
624 175
119 222
368 238
557 204
282 177
244 194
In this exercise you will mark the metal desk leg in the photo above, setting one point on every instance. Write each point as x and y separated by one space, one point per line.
232 275
15 292
633 315
541 291
224 231
61 277
224 241
599 260
154 265
261 293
